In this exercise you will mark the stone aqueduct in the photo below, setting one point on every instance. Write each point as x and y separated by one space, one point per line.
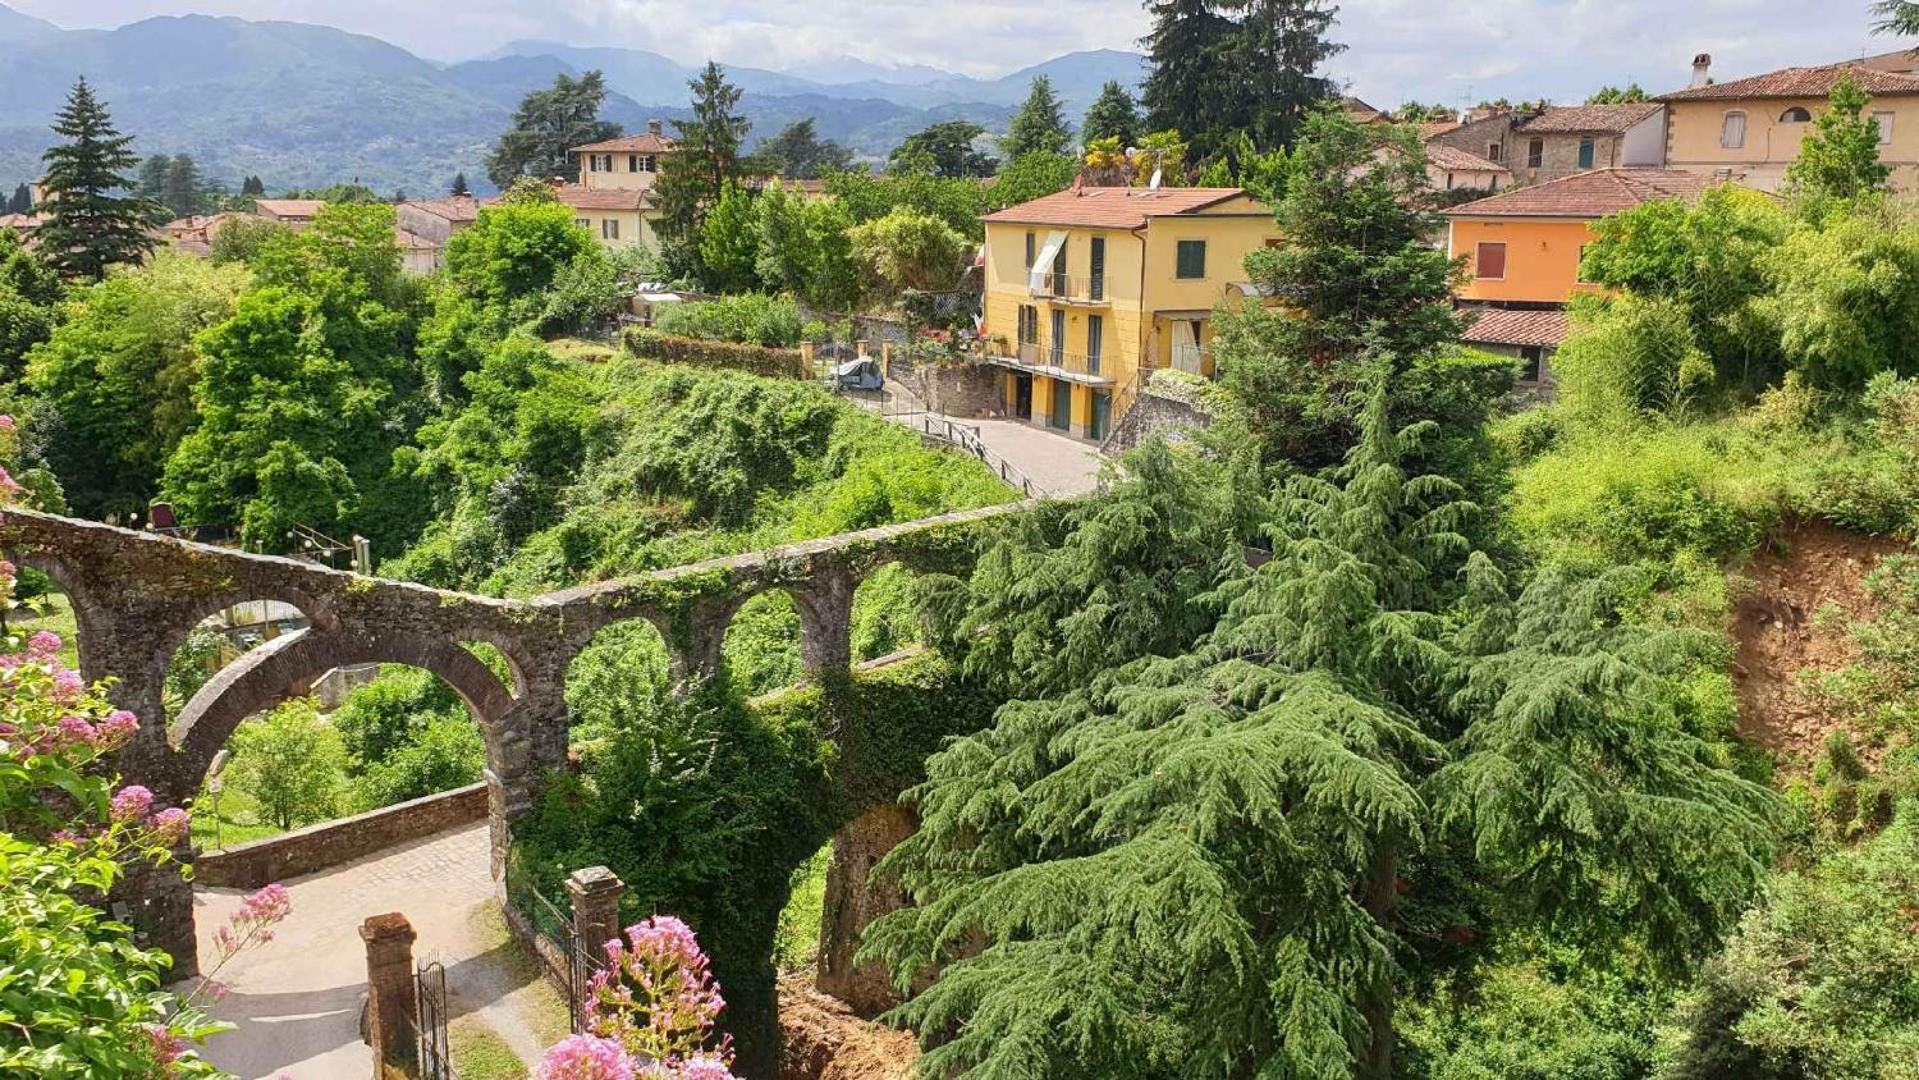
136 596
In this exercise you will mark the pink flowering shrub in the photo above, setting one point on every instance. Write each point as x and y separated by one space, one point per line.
650 1013
90 995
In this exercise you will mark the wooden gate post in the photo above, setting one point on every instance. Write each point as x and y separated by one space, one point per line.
392 995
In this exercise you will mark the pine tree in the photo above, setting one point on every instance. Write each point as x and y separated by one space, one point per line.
1112 116
1038 127
22 201
459 186
1278 49
1840 158
154 173
253 187
1191 864
1189 88
706 158
88 226
185 191
547 124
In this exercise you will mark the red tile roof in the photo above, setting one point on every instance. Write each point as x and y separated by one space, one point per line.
646 142
1437 127
1580 119
1456 160
1113 207
452 208
580 198
408 240
1799 82
289 208
1588 194
1498 326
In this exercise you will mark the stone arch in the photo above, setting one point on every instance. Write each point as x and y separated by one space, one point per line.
188 614
887 614
91 617
618 657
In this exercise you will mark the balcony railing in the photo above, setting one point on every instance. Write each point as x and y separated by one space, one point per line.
1073 288
1046 359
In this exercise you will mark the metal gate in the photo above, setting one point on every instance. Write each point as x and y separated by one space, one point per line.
436 1063
587 962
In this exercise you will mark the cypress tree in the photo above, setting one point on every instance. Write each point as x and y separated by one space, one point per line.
1112 116
22 201
459 185
88 226
1038 127
253 187
185 191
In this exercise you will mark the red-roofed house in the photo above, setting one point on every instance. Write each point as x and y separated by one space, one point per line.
1549 143
1750 129
613 198
1090 289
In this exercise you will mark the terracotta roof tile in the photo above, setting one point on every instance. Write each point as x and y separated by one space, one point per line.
1572 119
289 208
1113 207
646 142
1498 326
1795 82
1588 194
580 198
1457 160
1437 127
452 208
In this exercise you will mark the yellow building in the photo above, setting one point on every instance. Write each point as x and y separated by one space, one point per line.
613 196
1090 289
1750 129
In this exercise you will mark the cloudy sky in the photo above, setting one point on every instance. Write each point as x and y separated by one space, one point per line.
1431 50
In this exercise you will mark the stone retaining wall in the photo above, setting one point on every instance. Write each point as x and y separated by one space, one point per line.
317 847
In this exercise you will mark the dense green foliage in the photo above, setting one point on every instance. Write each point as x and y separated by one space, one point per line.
705 161
547 124
753 318
1114 115
1038 127
945 150
799 153
92 220
1226 66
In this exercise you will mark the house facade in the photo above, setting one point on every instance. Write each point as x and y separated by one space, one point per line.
612 197
1089 290
1523 250
1750 130
1549 143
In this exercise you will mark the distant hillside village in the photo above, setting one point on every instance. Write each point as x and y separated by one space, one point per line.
1093 269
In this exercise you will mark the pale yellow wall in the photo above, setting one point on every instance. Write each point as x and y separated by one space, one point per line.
622 178
636 226
1693 130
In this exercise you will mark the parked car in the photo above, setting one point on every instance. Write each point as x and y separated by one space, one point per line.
861 374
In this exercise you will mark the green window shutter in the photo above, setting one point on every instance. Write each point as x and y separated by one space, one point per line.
1191 259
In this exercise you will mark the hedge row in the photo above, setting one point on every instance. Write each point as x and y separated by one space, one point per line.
733 356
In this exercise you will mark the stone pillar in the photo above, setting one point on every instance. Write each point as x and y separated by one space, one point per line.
392 995
852 902
697 654
595 892
157 901
825 608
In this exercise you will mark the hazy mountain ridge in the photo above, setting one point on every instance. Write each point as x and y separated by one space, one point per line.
303 105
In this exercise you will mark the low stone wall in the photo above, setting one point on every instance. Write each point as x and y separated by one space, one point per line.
1155 414
317 847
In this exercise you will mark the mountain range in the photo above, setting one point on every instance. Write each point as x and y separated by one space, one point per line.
305 106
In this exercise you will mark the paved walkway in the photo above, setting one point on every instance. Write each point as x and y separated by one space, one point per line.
1057 465
296 1000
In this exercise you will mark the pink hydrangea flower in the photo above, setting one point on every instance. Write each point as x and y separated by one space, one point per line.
131 803
43 643
119 726
172 825
706 1067
75 731
67 685
8 571
6 423
585 1057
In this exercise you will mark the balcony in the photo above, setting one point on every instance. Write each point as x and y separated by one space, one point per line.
1057 363
1072 288
1192 359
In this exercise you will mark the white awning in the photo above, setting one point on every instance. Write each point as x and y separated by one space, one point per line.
1043 262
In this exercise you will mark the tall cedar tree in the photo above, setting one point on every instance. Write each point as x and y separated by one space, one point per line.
186 191
253 186
1038 127
1278 48
546 125
1190 86
1840 159
1189 865
88 225
1113 115
22 201
707 157
154 173
798 152
459 187
944 149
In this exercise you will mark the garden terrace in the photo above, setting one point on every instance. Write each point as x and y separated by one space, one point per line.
136 596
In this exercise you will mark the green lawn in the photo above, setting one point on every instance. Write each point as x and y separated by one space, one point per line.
237 820
50 612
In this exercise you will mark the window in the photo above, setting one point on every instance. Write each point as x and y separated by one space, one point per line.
1732 131
1535 153
1190 262
1490 262
648 164
1795 115
1059 339
1493 150
1883 120
609 228
632 163
592 163
1585 153
1031 251
1028 325
1096 286
1095 341
584 223
1060 284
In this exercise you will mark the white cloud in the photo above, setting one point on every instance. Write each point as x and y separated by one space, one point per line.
1398 49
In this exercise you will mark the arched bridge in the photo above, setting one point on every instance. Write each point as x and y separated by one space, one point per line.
136 597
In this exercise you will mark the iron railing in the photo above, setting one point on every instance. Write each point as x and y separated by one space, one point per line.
1046 359
435 1056
1073 288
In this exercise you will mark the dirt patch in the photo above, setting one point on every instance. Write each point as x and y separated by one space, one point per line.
823 1040
1806 568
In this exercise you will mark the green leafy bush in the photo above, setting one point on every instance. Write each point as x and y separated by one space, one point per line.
777 363
292 763
748 319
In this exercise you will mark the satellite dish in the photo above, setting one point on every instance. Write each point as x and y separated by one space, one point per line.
1153 184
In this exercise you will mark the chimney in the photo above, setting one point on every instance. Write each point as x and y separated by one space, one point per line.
653 126
1700 65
